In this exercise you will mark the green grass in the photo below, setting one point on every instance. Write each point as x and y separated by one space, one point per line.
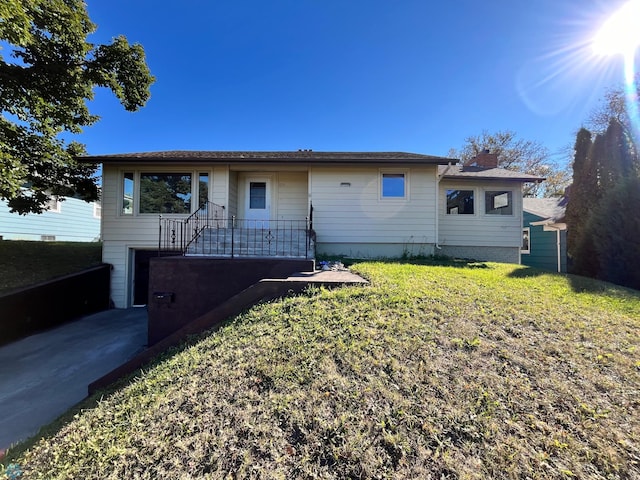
466 371
26 263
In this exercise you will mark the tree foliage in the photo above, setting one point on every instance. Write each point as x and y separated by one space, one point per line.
614 230
518 154
47 75
612 107
583 193
602 220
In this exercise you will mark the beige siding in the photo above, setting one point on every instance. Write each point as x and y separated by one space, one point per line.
219 184
349 210
479 229
124 233
293 197
233 194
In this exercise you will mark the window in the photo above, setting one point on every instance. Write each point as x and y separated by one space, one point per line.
460 202
53 205
526 240
165 193
258 195
203 189
97 210
127 193
48 238
394 185
498 203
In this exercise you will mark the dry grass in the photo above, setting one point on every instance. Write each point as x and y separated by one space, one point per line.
431 372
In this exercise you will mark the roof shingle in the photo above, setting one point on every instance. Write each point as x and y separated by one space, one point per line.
300 156
485 173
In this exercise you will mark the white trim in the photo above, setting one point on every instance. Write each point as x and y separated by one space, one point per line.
54 205
486 190
528 230
474 190
393 171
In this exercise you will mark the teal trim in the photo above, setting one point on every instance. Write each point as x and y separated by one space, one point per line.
543 246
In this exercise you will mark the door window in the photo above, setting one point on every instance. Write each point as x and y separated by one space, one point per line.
258 195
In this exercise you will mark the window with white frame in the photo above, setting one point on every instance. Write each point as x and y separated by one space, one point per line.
498 202
127 193
526 240
393 185
53 205
460 202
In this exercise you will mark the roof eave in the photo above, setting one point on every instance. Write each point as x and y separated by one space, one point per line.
497 178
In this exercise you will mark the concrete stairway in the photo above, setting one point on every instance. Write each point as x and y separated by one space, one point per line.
252 242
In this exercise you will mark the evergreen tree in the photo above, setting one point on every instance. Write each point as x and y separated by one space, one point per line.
615 232
616 161
580 194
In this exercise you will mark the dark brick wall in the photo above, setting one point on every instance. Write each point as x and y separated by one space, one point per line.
49 304
182 289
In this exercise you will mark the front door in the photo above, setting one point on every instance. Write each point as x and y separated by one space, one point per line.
258 202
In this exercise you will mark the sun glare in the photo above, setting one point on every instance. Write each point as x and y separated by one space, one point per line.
620 33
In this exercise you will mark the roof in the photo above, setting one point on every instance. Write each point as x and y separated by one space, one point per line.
300 156
462 172
551 209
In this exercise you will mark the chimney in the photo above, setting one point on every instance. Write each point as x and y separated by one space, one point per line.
484 159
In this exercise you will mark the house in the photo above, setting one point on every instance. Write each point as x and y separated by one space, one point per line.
299 204
66 219
544 233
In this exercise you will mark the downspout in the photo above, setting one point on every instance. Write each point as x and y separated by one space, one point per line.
437 209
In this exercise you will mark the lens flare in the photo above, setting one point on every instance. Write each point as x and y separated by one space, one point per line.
620 35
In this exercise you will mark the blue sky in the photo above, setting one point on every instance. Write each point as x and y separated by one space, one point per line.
353 75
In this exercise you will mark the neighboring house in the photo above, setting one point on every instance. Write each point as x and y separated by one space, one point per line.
544 233
65 220
352 204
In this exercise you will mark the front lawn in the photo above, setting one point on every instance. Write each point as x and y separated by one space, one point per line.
468 371
26 263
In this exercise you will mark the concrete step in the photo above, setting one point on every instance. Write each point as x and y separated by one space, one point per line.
252 242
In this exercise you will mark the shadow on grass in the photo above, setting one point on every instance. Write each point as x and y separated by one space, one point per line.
434 260
578 283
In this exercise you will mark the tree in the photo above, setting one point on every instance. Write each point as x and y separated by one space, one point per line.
515 153
45 82
581 194
615 230
612 106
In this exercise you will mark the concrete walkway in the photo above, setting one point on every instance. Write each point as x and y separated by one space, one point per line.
44 375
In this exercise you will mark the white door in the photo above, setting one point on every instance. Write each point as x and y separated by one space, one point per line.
257 202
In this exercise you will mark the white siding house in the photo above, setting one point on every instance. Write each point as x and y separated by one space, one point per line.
358 204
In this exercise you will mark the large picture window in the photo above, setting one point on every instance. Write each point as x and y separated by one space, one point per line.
165 193
460 202
498 203
394 185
